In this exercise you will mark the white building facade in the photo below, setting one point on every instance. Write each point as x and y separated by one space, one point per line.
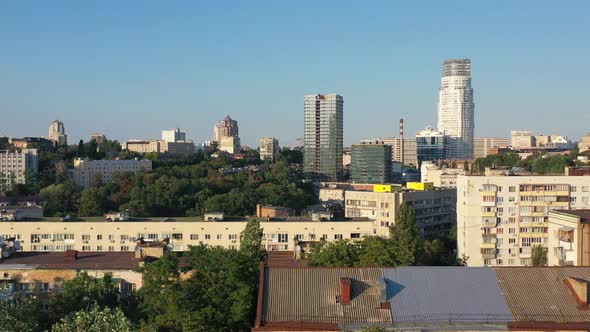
85 171
57 133
15 164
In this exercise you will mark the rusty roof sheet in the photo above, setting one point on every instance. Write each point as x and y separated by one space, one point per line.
85 261
540 294
310 295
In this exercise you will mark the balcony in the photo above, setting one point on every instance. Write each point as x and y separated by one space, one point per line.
489 223
488 246
487 254
488 214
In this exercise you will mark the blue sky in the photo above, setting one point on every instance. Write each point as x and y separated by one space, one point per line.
132 68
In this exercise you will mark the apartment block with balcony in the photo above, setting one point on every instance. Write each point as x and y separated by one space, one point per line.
500 217
86 170
14 165
569 238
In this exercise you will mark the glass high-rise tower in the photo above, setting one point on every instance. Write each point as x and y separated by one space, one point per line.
323 136
456 108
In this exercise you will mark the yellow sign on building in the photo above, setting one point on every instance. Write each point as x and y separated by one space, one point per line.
420 185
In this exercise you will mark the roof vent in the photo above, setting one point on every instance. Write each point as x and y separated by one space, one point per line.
579 289
71 255
345 291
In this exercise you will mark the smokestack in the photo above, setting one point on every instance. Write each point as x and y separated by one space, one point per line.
345 291
401 140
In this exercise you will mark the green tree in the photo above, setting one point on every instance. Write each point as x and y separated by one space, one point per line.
404 235
337 253
94 319
377 251
60 198
81 152
20 314
81 293
251 241
539 255
93 202
466 166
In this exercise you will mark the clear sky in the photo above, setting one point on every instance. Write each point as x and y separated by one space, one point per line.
129 69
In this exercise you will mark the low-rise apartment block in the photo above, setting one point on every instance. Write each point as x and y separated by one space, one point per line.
14 165
500 217
85 171
440 175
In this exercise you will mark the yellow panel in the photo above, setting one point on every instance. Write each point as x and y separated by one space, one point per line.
382 188
420 185
488 246
488 214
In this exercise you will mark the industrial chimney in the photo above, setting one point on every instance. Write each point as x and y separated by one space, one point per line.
401 140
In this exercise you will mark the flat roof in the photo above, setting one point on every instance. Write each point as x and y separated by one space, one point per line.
194 219
584 214
113 260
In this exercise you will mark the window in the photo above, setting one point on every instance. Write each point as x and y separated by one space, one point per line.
232 236
124 248
43 287
299 237
337 236
283 237
585 189
512 189
355 235
111 248
177 236
194 236
85 237
219 236
207 236
85 248
99 236
98 248
24 287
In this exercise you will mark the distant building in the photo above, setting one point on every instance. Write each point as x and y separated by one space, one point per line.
440 174
484 146
456 108
269 148
229 144
584 144
431 145
173 135
15 165
30 142
323 135
410 156
525 140
568 243
371 163
179 148
99 138
85 171
144 146
57 133
226 128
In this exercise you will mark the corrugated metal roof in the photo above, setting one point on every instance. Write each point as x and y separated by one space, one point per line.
445 294
310 295
540 294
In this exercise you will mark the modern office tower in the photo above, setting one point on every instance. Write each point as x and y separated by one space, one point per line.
173 135
456 108
269 148
410 156
229 144
226 128
500 217
371 163
431 145
57 133
86 170
483 146
323 136
14 165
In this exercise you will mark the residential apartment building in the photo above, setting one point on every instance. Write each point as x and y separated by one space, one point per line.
500 217
584 144
525 140
57 133
484 146
410 153
569 238
431 144
15 165
323 136
226 128
456 108
98 235
229 144
371 163
85 171
269 148
441 175
173 135
144 146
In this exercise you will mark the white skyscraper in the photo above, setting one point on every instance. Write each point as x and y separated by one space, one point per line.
456 108
173 135
57 133
323 136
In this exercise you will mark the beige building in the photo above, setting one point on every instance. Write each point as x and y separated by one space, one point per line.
229 144
483 146
440 175
95 234
410 149
14 165
525 140
569 238
57 133
86 170
269 148
144 146
501 217
584 144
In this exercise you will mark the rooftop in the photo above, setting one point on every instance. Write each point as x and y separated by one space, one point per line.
197 219
84 261
584 214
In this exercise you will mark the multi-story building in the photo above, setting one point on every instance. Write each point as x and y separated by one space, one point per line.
57 133
85 171
173 135
97 234
323 135
179 148
441 175
144 146
269 148
226 128
30 142
584 144
99 138
456 108
484 146
435 208
500 217
410 154
371 163
229 144
525 140
569 238
431 145
15 165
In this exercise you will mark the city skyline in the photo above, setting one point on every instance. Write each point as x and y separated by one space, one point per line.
102 70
